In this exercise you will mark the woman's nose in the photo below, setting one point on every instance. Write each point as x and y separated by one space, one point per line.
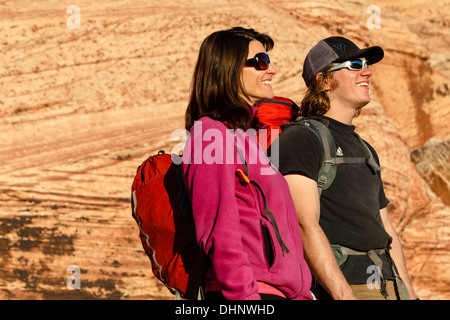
272 70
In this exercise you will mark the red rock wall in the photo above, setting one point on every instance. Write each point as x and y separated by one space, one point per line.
80 109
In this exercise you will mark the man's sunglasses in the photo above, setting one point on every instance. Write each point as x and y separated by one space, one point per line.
260 62
354 65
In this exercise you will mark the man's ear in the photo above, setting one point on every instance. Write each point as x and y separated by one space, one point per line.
322 80
318 76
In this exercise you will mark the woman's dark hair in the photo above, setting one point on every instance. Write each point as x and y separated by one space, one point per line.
217 89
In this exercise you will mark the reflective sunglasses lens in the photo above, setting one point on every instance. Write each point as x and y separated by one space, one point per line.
356 64
262 60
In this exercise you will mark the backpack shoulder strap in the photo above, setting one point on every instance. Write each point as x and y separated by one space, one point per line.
327 171
370 160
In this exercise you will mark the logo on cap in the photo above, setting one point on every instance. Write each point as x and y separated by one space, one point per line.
338 47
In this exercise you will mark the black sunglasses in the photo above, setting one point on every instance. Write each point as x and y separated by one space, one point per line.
261 61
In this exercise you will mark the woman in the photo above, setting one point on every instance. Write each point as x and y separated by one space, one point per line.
244 216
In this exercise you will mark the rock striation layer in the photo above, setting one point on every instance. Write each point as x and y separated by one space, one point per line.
80 109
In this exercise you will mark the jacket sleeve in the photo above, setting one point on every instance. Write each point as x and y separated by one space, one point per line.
211 187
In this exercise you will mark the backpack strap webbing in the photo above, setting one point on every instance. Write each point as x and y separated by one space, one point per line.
328 169
374 255
327 172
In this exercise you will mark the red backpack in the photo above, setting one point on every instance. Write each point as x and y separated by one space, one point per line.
272 114
163 212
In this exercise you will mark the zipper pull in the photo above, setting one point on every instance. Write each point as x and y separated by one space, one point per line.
242 177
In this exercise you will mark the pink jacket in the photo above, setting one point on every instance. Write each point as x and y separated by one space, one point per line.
229 216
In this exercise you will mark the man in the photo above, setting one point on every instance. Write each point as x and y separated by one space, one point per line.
348 223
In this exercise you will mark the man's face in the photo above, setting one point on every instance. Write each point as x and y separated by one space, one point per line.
351 87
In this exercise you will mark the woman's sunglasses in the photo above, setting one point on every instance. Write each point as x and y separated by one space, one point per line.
354 65
260 62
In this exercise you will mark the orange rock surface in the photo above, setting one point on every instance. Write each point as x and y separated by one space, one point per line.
80 109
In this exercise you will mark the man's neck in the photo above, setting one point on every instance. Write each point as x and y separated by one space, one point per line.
341 114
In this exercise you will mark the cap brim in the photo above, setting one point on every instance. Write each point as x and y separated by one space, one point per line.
372 54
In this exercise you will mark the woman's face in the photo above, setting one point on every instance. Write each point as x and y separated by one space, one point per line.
257 83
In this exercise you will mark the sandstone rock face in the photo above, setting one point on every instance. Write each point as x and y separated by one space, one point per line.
431 162
80 109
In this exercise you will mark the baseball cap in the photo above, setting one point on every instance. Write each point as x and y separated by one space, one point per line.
336 49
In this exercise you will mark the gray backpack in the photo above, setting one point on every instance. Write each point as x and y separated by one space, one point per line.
328 169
